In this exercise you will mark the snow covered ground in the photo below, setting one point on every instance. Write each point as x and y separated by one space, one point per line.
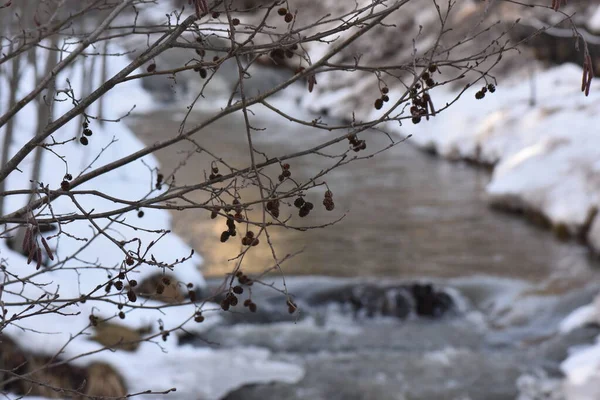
156 365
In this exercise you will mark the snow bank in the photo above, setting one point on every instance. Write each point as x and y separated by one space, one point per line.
197 373
545 155
582 367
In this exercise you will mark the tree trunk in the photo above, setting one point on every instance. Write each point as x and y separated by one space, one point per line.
13 86
44 111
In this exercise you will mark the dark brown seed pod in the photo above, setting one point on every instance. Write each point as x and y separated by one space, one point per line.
303 212
225 236
277 53
133 283
151 67
282 11
27 240
85 124
299 202
121 275
289 53
249 234
131 296
247 302
122 315
235 22
38 255
330 206
68 177
285 166
230 223
238 290
289 17
199 318
225 304
214 214
491 88
31 254
215 15
286 173
87 132
119 285
378 104
233 301
309 205
416 120
238 217
83 140
255 242
166 280
385 98
48 249
129 261
160 288
203 75
384 90
252 307
430 82
329 194
192 294
275 213
432 68
245 241
140 214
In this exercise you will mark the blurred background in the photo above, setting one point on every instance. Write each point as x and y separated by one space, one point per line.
460 252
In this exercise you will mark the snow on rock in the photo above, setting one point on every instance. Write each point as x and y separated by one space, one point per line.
594 21
545 155
582 366
197 373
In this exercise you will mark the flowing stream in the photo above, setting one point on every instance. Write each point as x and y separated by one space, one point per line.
409 217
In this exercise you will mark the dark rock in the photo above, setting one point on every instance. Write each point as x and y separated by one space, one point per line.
397 301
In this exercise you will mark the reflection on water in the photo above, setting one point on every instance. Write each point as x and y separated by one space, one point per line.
406 213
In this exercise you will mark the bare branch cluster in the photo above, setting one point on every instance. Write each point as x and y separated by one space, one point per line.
62 42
